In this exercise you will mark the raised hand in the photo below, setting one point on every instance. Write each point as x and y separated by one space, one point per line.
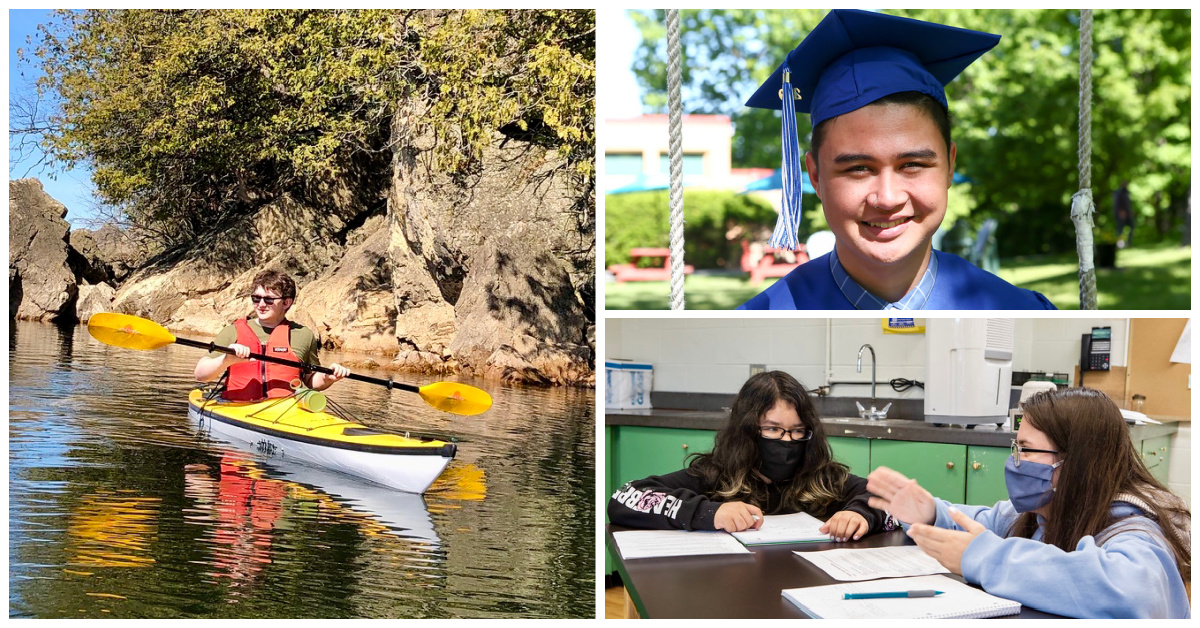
944 545
901 497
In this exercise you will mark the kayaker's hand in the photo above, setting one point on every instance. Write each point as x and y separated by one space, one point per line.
321 381
241 353
339 372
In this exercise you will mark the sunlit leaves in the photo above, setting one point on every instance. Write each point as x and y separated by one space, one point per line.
189 116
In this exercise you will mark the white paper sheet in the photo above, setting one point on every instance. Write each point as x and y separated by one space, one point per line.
659 543
1183 349
958 600
875 562
794 528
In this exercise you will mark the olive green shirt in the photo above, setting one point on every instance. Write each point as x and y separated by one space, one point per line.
304 342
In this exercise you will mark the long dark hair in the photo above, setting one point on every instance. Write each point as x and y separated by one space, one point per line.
732 466
1099 463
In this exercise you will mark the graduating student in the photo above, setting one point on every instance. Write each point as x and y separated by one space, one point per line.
1086 531
771 458
882 162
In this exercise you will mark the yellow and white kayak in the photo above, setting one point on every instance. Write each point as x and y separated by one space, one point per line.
281 428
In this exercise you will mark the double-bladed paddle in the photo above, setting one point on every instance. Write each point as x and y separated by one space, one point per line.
132 332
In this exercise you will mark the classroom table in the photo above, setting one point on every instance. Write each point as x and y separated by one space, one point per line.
738 586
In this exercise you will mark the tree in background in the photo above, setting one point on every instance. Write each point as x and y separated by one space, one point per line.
717 223
190 117
1015 110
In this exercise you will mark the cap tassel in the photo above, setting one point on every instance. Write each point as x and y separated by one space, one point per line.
785 235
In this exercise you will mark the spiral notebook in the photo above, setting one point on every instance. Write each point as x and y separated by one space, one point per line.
957 601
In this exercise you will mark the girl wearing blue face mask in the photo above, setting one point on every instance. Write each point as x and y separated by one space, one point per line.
770 458
1086 531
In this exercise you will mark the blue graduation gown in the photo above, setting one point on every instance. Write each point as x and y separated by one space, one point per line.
959 286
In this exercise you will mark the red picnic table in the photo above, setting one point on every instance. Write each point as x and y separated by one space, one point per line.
767 265
631 272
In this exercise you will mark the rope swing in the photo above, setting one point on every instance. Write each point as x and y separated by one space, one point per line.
1082 206
675 117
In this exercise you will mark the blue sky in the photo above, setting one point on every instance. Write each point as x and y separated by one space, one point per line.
617 97
72 187
616 89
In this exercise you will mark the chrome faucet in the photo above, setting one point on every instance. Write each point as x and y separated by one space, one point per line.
871 414
860 350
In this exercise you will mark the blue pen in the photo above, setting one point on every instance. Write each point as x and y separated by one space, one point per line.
868 596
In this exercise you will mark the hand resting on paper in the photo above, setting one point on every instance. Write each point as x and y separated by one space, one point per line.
901 497
844 525
944 545
738 516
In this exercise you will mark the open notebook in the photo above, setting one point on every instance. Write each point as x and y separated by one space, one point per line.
799 527
958 601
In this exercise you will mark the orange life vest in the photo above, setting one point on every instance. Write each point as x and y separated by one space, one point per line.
256 379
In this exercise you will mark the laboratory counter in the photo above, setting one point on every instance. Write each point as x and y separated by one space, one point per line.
916 430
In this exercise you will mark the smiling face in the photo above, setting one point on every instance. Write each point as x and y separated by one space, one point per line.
882 175
269 314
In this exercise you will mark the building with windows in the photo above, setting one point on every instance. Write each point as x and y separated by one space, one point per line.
637 154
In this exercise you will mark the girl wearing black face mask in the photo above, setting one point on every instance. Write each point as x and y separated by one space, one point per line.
770 458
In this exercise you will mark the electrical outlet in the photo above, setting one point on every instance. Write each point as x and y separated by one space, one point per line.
755 369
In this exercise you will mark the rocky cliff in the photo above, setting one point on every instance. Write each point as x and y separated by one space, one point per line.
484 275
41 285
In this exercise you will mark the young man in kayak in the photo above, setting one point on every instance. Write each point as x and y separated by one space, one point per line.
267 332
882 162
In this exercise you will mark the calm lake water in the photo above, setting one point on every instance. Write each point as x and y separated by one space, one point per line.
117 508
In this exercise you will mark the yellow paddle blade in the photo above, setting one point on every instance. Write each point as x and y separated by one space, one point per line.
456 398
130 332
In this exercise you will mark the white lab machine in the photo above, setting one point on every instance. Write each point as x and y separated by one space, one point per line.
968 370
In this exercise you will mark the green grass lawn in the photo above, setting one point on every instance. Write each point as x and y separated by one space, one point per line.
1151 278
1158 277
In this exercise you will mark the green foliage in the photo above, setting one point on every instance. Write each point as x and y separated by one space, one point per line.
715 224
735 51
532 70
1015 111
189 116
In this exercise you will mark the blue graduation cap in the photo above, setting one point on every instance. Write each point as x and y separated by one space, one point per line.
850 60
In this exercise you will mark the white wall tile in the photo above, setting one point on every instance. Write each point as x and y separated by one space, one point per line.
640 342
798 345
612 338
1050 344
740 345
688 346
808 375
717 378
671 378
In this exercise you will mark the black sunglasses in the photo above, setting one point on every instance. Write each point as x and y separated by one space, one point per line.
268 300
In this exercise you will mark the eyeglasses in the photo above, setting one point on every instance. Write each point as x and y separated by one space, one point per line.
1018 450
776 433
256 298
